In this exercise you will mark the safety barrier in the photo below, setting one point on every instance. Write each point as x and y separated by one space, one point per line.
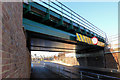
82 75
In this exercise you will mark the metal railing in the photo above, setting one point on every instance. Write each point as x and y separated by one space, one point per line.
83 75
96 76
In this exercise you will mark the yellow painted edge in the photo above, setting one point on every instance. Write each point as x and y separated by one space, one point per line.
78 37
88 40
81 37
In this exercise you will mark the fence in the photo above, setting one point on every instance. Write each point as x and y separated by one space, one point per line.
74 73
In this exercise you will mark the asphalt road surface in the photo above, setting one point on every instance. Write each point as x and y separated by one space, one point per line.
39 71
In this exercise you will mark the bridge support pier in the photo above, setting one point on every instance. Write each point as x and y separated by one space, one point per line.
92 59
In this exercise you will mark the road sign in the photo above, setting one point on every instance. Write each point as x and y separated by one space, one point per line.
94 40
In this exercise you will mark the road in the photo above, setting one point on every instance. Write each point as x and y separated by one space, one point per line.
39 71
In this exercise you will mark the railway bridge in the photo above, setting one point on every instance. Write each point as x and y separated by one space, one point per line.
47 26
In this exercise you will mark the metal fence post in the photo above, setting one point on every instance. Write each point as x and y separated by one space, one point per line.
81 75
70 75
59 70
98 76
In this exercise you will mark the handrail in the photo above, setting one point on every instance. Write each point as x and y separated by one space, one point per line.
83 74
95 74
75 17
100 75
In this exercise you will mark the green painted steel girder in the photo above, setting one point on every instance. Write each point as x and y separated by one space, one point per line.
44 29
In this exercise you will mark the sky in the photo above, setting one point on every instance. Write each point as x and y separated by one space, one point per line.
104 15
43 54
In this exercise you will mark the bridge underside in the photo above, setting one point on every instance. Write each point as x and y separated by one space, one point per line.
43 42
86 55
